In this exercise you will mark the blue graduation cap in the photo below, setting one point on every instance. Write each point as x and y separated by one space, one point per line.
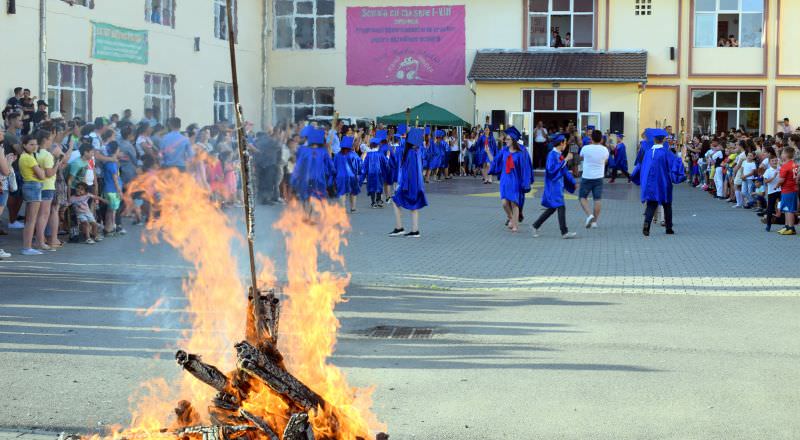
514 133
346 142
439 133
382 134
652 133
316 137
427 129
376 140
590 127
416 136
306 131
557 139
402 129
620 135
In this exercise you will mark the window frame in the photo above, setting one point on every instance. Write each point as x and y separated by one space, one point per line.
714 108
85 3
293 17
170 97
166 5
293 105
227 106
716 13
218 33
555 100
572 15
58 87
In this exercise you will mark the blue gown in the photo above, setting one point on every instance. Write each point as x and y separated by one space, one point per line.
498 162
425 154
480 153
515 177
348 169
557 179
659 170
410 192
373 170
313 173
388 175
619 160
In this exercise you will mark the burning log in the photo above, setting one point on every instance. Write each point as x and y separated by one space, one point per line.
280 380
206 373
215 432
186 414
266 311
260 424
298 428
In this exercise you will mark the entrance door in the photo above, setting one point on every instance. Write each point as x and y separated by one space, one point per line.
587 119
521 121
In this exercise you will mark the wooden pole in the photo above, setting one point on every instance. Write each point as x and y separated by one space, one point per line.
243 153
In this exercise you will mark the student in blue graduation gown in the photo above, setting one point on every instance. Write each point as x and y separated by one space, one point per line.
618 161
410 193
557 179
313 173
373 169
347 165
515 177
442 150
485 151
659 170
390 178
587 136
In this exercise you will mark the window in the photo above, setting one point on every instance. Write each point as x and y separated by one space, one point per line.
561 23
221 19
728 23
159 95
644 7
292 105
160 12
88 3
223 102
556 100
68 89
304 24
719 110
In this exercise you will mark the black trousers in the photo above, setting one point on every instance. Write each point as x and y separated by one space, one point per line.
651 210
562 218
624 173
539 155
772 201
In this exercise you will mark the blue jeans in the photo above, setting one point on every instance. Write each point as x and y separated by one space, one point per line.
32 191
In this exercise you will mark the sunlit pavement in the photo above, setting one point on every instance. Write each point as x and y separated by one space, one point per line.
611 335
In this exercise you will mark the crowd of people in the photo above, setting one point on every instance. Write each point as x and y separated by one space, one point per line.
71 176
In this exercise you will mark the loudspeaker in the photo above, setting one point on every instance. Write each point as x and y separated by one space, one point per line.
197 44
672 53
617 124
498 119
12 7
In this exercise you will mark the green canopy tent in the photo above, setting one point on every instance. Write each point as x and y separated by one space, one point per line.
425 114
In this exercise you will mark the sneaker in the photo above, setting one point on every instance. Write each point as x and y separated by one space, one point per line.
646 229
594 225
16 225
99 238
413 235
47 248
670 232
90 241
121 231
768 229
373 205
535 232
397 232
589 221
31 252
787 232
4 254
569 235
353 210
736 206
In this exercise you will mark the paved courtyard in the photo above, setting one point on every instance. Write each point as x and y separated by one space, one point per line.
608 336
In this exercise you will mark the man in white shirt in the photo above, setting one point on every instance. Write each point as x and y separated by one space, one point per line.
595 157
786 127
539 146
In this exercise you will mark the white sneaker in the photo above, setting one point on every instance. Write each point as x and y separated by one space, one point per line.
30 252
16 225
569 235
535 233
4 254
589 221
594 225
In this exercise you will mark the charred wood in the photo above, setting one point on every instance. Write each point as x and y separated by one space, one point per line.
283 383
298 428
186 414
260 424
206 373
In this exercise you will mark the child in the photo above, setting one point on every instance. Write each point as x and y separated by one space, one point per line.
410 192
80 203
389 149
557 178
313 173
485 150
773 191
749 168
112 188
659 170
618 162
759 192
347 165
32 177
787 179
515 177
373 170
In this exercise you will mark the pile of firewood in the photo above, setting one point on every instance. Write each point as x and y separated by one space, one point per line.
258 359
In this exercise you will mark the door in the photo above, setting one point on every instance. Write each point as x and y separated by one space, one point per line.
587 119
521 121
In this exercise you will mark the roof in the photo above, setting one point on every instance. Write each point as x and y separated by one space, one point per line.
424 114
573 65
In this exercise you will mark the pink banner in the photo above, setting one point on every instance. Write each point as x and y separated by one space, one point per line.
417 45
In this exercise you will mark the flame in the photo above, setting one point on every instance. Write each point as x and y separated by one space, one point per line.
188 220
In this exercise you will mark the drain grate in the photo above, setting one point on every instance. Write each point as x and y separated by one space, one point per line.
394 332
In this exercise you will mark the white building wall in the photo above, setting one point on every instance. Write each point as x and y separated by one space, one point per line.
116 86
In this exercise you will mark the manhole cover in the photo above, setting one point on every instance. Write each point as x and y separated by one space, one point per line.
393 332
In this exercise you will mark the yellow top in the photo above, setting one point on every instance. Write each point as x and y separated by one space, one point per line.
26 164
46 161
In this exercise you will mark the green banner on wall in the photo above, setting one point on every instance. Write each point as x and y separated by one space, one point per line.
115 43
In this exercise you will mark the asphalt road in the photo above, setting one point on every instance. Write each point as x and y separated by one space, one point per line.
609 336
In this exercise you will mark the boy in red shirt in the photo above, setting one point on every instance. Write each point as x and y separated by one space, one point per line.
787 179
